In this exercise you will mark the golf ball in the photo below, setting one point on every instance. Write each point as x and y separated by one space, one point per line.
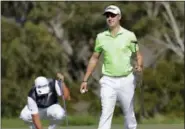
82 91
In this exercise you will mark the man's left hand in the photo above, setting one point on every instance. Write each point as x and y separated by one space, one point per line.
60 76
138 68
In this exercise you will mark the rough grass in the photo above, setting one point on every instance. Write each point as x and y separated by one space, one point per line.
143 126
91 120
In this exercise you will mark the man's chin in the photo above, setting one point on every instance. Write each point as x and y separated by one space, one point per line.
111 26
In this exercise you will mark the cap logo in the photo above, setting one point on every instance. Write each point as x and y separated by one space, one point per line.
42 86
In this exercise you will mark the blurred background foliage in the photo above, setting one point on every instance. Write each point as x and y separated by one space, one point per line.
41 38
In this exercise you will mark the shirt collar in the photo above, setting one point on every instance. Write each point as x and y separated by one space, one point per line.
121 30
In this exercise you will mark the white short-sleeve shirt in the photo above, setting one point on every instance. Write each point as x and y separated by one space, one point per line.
32 106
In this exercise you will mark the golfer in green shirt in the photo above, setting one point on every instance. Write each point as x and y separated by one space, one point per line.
118 81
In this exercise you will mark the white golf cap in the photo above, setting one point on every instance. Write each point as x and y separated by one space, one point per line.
112 9
41 84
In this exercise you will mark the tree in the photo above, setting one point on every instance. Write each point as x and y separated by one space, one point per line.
169 32
40 38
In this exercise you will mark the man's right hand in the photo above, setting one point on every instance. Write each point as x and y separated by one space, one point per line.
91 65
83 86
36 121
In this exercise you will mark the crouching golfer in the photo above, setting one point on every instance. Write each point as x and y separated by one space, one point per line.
42 102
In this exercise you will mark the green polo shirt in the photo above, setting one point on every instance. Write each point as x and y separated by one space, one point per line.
117 51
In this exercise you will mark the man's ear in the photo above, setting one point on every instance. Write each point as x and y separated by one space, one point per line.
119 17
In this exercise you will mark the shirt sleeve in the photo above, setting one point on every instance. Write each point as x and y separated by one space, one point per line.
133 43
58 87
32 106
98 46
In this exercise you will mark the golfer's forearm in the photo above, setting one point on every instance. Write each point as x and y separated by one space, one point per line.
37 122
92 64
139 59
65 91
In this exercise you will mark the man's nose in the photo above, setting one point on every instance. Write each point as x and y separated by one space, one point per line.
109 17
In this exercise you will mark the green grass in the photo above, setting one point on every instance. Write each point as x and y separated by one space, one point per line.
90 120
143 126
160 119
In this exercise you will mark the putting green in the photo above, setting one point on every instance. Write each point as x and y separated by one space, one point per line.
142 126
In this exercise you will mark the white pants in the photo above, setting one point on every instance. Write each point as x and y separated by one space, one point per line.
121 89
54 113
